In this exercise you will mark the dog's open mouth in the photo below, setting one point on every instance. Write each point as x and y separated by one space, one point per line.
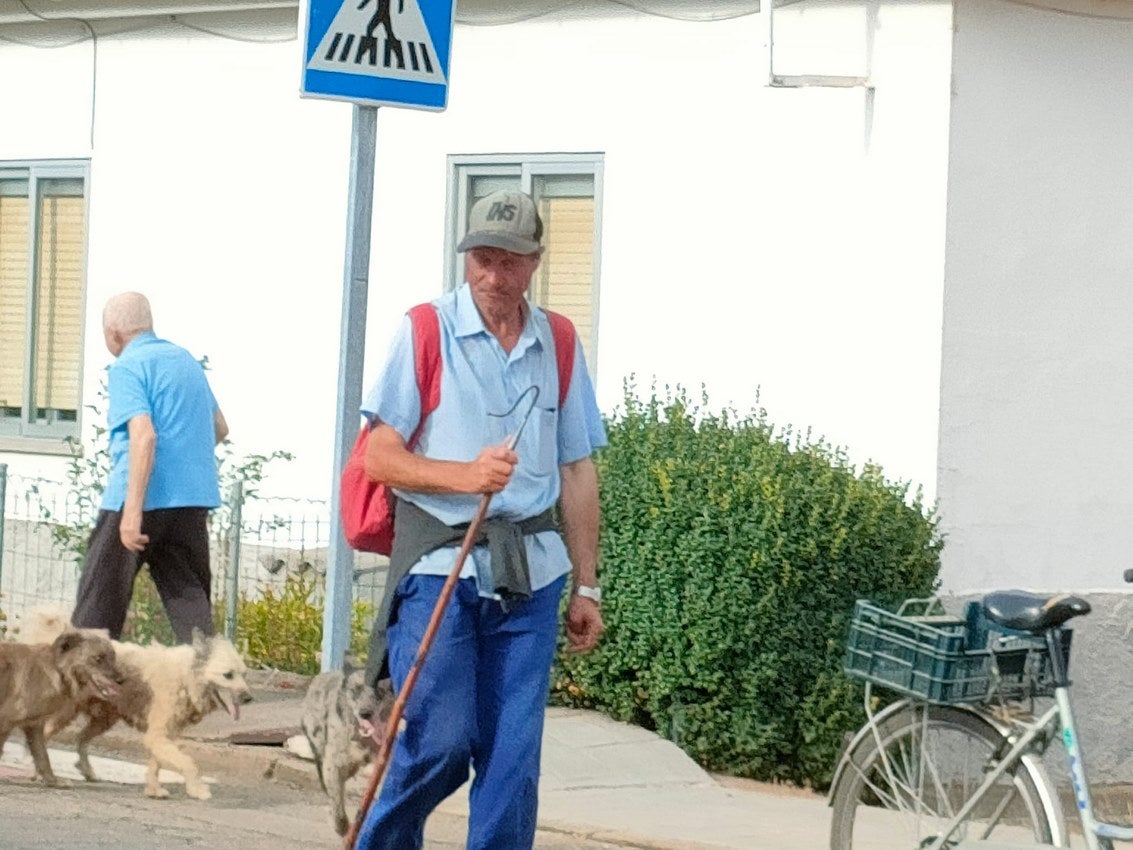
367 730
107 688
229 702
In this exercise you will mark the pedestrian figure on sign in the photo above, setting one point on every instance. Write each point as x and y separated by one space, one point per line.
369 43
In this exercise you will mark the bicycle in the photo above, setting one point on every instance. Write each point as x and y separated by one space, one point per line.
957 764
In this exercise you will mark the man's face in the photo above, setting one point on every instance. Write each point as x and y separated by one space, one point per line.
498 278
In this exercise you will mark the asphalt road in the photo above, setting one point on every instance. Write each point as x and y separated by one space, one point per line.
262 816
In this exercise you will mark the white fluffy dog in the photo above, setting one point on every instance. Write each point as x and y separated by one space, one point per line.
166 690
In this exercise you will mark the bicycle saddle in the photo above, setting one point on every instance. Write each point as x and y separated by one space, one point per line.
1030 612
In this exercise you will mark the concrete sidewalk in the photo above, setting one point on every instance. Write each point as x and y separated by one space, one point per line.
602 779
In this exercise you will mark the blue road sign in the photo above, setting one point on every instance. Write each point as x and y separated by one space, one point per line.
379 52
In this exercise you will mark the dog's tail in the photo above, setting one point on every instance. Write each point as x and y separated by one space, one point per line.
43 624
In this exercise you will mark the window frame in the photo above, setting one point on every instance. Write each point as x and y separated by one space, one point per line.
462 168
25 434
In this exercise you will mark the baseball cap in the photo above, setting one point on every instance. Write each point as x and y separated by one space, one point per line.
506 220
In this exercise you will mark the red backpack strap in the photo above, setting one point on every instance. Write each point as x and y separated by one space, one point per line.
562 331
427 362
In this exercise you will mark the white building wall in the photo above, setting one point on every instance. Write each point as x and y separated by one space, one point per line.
1036 467
1035 464
751 238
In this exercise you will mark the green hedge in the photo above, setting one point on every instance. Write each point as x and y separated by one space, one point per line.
731 556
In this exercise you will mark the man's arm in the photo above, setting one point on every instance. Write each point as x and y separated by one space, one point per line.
581 516
391 463
143 444
220 426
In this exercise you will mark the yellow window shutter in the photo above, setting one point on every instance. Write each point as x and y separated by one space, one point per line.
565 282
13 297
59 302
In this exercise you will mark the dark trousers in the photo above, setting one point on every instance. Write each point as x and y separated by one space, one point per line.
478 703
178 559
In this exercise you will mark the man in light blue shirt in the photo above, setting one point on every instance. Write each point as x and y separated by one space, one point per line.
164 424
480 697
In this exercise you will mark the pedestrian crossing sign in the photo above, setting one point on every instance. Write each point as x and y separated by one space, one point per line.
379 52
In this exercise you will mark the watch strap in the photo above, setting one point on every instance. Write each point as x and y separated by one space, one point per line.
593 593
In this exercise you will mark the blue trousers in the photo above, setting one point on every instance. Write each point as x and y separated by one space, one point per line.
479 701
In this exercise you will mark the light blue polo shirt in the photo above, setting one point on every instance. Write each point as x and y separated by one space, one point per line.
153 376
479 382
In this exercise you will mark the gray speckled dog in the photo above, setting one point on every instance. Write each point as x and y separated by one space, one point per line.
344 721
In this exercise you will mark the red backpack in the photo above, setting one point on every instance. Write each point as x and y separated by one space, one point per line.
367 506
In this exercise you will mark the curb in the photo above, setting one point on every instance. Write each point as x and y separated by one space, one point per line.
228 762
273 764
255 763
620 838
277 680
216 756
221 759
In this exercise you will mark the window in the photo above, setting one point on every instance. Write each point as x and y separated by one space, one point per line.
567 189
42 274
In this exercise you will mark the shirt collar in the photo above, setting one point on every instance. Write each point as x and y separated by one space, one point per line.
144 336
468 322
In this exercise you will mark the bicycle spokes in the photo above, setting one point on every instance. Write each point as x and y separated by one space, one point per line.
906 786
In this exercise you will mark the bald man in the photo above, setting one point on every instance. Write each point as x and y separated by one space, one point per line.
164 424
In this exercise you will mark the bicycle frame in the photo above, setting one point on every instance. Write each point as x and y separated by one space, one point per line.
1098 834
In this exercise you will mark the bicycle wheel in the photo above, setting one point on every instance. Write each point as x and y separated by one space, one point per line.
901 795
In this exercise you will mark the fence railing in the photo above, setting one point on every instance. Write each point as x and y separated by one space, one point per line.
268 558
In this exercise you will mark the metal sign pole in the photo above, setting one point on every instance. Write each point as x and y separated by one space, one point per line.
338 602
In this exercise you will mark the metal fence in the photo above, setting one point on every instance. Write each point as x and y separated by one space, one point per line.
268 578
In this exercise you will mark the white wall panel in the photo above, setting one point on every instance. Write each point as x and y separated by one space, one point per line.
750 239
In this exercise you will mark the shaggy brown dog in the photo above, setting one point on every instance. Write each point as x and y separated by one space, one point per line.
39 681
132 701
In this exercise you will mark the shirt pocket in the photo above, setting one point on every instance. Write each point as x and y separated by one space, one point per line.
539 449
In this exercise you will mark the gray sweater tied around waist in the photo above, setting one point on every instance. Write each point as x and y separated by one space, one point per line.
417 533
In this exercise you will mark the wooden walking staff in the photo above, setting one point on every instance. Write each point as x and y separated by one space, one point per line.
386 749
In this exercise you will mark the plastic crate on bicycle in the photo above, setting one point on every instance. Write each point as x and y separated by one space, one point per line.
922 651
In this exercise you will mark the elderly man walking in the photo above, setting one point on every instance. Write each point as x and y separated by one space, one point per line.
480 698
164 424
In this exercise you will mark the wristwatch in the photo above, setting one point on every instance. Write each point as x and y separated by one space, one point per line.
594 593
